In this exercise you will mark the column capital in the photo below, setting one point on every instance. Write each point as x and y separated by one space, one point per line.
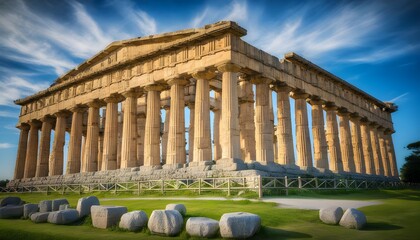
329 106
134 92
114 98
47 118
364 121
23 126
94 104
242 77
299 94
343 112
34 123
78 108
154 87
64 113
203 73
228 67
315 100
355 117
177 81
281 87
260 79
374 125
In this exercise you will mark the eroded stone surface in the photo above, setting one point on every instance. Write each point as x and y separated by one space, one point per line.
10 201
178 207
11 211
202 227
331 215
45 206
57 202
133 221
165 222
106 216
40 217
29 208
84 205
353 218
239 225
63 217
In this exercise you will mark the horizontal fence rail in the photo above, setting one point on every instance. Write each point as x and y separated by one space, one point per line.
227 185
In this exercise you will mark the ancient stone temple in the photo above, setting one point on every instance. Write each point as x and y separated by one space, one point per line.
124 113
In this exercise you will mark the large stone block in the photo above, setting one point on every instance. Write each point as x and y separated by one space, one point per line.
57 202
64 207
202 227
40 217
353 218
45 206
331 215
63 217
133 221
84 205
165 222
11 211
106 216
10 201
239 225
178 207
29 208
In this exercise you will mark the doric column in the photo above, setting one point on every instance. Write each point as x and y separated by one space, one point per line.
32 149
367 146
152 128
202 138
44 147
377 158
21 152
57 153
191 106
90 151
356 139
165 132
75 143
119 140
141 124
109 158
285 149
129 132
333 140
175 152
216 127
318 133
246 119
100 151
303 142
229 122
263 126
391 153
382 146
345 141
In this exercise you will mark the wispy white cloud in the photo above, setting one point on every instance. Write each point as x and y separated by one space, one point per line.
382 54
234 11
398 98
15 88
8 114
6 145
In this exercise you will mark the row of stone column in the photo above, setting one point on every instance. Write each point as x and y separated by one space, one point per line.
353 145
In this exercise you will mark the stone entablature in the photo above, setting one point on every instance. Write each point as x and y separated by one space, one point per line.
174 70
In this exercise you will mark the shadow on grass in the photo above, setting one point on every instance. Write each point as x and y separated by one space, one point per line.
380 226
275 233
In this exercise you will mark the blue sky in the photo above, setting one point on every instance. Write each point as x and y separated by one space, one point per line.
374 45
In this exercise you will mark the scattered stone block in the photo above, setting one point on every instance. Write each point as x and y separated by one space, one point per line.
331 215
10 201
165 222
57 202
40 217
202 227
11 211
84 205
353 218
133 221
239 225
179 207
45 206
106 216
63 217
64 207
29 208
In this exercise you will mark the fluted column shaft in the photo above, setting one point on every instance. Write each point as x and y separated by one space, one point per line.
44 148
32 150
21 152
141 124
229 121
367 147
333 140
356 139
109 158
57 154
75 143
129 133
345 142
382 146
100 151
202 136
377 158
165 133
246 120
318 133
263 126
175 152
90 152
303 142
216 127
391 154
285 151
152 128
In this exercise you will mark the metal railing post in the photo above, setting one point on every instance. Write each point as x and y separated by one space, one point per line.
199 186
228 186
260 187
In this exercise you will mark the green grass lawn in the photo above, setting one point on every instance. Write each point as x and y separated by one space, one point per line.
397 218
